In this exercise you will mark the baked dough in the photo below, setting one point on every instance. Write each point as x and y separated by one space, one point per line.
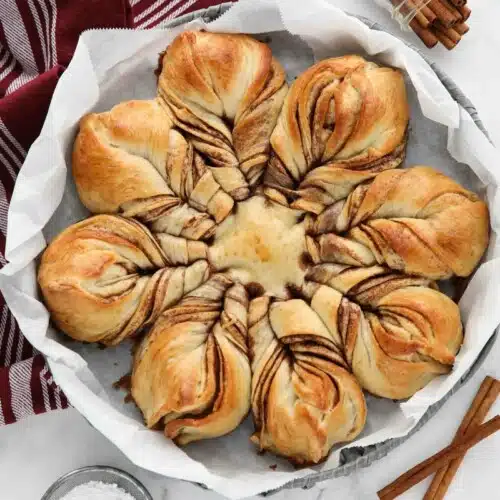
106 278
304 398
416 221
191 374
266 245
397 332
342 113
225 92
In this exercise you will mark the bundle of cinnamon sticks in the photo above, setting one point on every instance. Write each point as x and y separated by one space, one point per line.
446 463
436 21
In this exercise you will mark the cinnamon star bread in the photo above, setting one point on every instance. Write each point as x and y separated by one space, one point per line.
263 245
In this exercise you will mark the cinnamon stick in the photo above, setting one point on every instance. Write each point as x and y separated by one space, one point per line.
443 14
427 36
425 11
479 408
432 464
444 39
465 12
461 28
419 15
454 10
458 3
451 33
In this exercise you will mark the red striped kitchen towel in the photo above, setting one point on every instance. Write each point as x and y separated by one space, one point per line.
37 40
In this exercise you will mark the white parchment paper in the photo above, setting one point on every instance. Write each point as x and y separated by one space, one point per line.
110 66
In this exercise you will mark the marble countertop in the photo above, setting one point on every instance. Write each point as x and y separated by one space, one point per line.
37 450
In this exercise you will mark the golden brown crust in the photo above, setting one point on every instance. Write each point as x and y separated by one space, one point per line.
417 221
131 160
191 373
304 400
105 278
397 332
344 113
120 155
224 91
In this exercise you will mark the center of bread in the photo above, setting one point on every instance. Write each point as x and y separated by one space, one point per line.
262 243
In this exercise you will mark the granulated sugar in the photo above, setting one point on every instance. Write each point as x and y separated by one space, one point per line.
97 490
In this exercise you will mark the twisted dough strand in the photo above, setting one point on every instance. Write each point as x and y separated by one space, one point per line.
132 161
225 93
397 332
191 373
417 221
342 113
117 274
304 400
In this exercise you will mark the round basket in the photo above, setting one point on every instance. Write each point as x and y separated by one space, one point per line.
356 458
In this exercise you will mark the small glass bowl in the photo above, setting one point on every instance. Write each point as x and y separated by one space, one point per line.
101 473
